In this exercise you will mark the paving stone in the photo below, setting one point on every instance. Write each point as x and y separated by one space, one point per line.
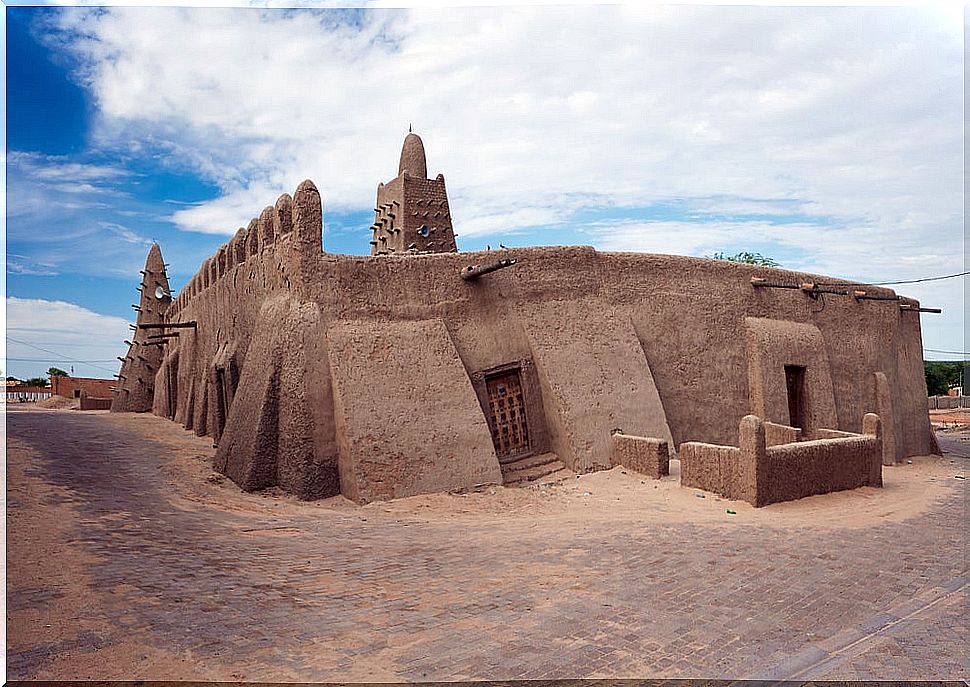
495 599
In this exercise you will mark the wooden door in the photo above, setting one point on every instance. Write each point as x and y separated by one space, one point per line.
506 405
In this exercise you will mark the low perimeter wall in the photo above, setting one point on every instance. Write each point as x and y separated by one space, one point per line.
644 455
776 434
761 474
91 403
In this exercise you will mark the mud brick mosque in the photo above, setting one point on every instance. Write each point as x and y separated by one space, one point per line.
421 369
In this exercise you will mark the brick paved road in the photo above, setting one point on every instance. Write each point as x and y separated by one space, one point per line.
329 596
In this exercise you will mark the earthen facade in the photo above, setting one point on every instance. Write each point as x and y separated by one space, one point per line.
75 387
390 375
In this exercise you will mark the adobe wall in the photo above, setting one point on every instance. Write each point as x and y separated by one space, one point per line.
776 434
605 341
713 468
408 421
252 374
761 474
94 388
645 455
771 344
688 316
94 403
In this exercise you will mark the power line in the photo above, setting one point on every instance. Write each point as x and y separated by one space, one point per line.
890 283
914 281
60 355
936 350
51 360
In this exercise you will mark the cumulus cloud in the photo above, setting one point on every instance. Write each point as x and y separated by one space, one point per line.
842 128
853 111
44 333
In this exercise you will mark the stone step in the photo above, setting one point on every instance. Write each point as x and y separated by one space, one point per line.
560 475
526 461
535 473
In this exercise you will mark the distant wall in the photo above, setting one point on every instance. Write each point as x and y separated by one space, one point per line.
70 387
948 402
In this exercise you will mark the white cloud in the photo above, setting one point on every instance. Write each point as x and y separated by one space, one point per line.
22 264
234 206
68 332
854 110
125 234
850 114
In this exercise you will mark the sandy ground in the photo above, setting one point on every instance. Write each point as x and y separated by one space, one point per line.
953 418
58 403
908 489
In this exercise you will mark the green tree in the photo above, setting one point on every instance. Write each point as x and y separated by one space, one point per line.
57 372
940 376
36 381
747 258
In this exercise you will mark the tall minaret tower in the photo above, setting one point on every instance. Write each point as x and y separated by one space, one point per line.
412 213
135 390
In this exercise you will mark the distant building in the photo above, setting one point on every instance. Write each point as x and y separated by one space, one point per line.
26 394
74 387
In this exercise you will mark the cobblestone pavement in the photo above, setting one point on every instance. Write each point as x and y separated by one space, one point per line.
339 596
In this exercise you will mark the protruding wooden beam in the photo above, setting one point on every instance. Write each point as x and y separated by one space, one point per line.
864 296
913 308
473 272
165 325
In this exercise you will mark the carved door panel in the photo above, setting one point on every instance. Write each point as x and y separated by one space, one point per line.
506 405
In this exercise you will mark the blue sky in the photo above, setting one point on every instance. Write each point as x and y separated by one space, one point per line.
828 138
